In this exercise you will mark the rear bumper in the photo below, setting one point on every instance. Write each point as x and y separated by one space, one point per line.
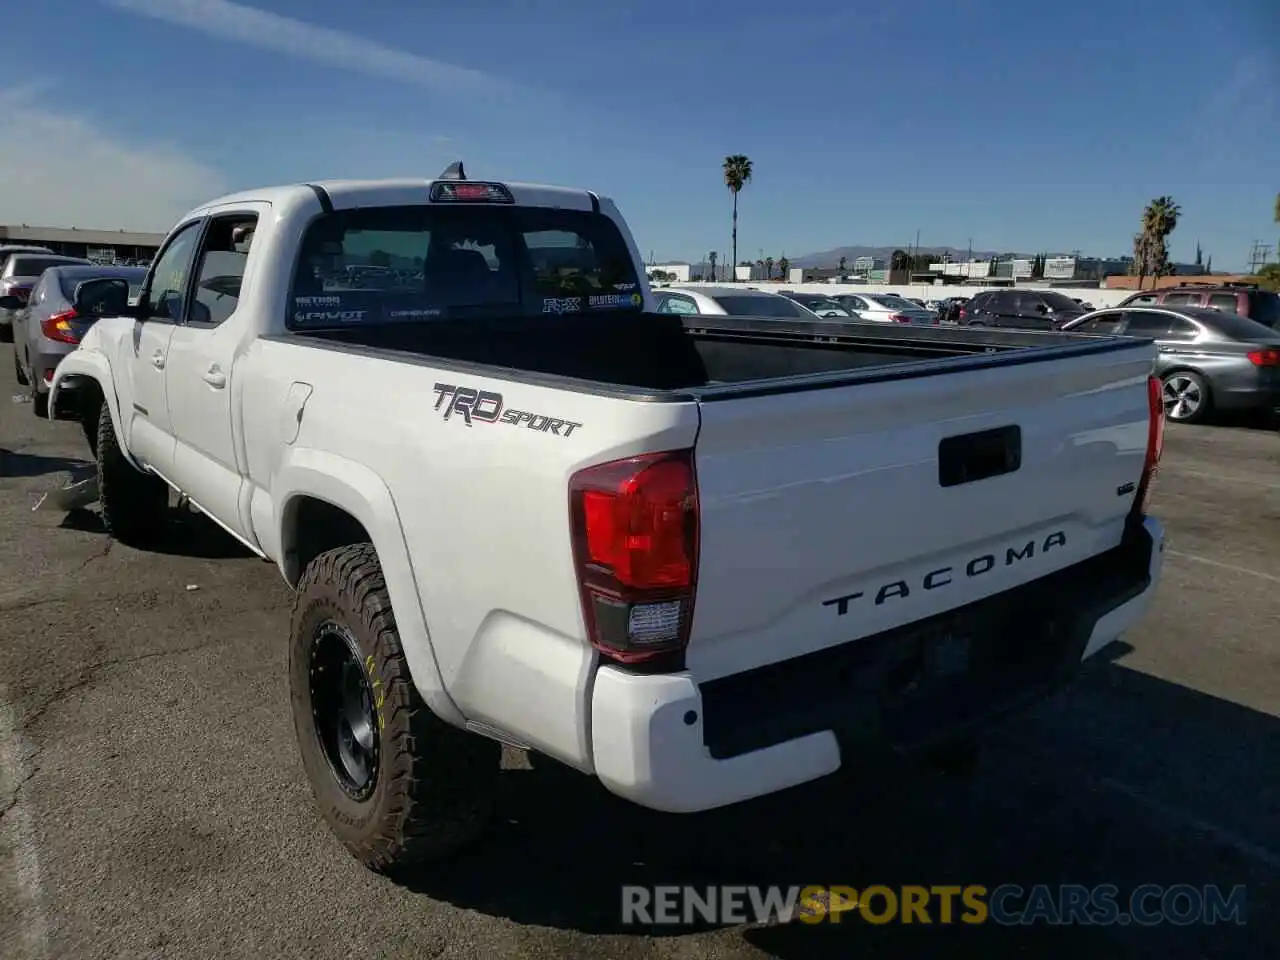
45 358
667 743
1247 397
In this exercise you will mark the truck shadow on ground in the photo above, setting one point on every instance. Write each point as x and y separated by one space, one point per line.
187 534
1077 793
14 464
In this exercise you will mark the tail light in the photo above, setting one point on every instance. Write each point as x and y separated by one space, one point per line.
899 318
1155 444
21 293
962 315
635 546
1265 358
58 327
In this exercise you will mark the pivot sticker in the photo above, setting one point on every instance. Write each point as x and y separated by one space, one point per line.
485 406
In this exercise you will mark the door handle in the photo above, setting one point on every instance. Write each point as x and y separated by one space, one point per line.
215 377
157 360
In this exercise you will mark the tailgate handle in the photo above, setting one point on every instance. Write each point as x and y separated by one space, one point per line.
977 456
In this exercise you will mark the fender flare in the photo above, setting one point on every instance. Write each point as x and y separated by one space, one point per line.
92 365
353 487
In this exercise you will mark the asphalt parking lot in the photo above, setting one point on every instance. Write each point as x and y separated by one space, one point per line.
152 803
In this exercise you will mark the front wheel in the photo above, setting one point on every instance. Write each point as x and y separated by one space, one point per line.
396 785
1186 397
134 504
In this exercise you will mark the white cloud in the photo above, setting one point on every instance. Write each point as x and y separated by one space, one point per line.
270 31
61 170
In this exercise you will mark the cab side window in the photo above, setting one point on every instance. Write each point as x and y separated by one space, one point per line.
166 295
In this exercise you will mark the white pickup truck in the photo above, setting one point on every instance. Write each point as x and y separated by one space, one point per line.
700 558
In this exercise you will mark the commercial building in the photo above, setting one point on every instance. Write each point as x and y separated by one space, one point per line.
105 246
671 272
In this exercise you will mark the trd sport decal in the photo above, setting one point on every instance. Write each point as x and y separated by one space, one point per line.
485 406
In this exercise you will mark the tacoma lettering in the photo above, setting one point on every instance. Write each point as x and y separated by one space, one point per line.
943 576
486 406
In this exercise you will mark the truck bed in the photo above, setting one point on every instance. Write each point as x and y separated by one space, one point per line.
705 357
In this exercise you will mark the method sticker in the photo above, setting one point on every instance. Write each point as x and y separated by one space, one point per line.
614 301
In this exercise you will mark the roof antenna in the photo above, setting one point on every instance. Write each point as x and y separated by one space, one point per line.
453 171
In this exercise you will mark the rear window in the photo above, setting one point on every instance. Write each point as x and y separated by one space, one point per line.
894 303
1235 326
747 306
1265 308
404 264
34 266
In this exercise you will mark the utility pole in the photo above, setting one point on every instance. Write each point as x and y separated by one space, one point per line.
1259 255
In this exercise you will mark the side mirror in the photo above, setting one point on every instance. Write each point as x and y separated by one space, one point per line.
11 303
102 297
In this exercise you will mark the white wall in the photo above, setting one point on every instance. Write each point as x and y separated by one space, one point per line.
680 271
1098 297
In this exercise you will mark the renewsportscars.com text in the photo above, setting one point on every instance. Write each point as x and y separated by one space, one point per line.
1006 905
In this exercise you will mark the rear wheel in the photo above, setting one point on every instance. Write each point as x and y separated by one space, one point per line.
396 785
1186 397
39 401
134 504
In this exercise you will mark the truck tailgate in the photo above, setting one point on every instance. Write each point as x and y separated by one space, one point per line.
837 513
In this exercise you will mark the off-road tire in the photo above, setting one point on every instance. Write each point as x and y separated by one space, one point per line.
18 371
435 784
135 505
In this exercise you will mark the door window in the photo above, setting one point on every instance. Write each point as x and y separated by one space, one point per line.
223 256
1184 298
166 296
1224 301
1104 324
1182 329
1147 323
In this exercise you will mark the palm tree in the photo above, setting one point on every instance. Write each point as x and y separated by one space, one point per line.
1159 219
843 262
768 268
899 260
783 266
737 174
711 259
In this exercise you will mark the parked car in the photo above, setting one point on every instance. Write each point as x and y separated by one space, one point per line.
8 250
885 308
1262 306
730 301
48 327
18 275
1208 360
821 305
948 309
1019 309
780 554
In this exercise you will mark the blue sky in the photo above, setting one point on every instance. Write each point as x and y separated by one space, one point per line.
1019 126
